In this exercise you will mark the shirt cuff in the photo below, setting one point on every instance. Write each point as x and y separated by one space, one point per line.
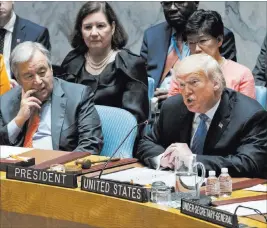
156 161
13 131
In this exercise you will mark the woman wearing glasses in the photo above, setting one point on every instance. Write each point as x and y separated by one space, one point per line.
204 32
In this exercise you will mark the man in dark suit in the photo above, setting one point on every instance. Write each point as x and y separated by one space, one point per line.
259 71
157 42
46 112
222 127
15 30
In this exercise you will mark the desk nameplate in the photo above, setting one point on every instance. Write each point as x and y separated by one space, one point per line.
209 214
115 188
42 176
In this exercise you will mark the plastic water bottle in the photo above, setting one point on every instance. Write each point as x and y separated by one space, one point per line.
212 185
225 183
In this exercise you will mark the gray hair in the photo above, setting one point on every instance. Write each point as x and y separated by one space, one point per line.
24 52
201 63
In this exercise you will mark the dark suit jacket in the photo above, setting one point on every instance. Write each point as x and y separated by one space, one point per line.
75 124
124 87
259 71
155 46
25 30
236 139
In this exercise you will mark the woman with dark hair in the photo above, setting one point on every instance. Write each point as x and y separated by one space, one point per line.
204 33
99 60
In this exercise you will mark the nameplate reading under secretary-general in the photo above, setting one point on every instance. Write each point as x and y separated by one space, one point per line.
210 214
115 188
42 176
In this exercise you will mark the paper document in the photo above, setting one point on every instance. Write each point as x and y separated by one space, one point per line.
257 188
6 151
261 205
142 176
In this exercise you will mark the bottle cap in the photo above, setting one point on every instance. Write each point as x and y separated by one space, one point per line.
224 170
212 173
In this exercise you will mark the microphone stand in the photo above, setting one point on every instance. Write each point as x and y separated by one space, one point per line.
137 125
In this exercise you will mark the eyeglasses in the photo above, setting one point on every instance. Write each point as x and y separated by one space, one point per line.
201 42
176 4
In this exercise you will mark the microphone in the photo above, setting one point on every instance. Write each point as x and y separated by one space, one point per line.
149 121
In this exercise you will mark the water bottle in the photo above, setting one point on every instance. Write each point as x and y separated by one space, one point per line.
212 185
225 183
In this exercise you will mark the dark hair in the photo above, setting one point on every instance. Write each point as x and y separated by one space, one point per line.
119 38
206 21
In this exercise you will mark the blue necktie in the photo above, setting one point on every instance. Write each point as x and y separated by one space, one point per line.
200 135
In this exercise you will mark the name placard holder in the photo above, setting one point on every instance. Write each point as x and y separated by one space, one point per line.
115 188
209 214
42 176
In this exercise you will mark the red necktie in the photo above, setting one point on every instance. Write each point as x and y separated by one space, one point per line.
171 59
32 128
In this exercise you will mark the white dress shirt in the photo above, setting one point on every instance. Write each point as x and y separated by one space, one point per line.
7 42
196 122
42 139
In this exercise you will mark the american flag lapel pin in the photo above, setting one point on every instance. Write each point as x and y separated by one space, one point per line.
18 41
220 125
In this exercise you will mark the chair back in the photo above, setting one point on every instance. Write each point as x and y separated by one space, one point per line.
261 95
116 124
151 87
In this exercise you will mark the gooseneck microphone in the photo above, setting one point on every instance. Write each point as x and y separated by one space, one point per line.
149 121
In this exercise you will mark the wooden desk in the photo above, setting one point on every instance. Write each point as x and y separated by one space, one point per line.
61 207
25 204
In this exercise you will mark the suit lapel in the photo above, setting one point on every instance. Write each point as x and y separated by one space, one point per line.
219 122
164 38
186 120
57 113
18 33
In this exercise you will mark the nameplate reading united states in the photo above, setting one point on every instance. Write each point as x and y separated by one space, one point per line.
115 188
210 214
42 176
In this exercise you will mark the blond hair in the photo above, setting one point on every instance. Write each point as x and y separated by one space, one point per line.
199 63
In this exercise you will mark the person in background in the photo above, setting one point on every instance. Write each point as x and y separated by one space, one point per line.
224 128
46 112
259 71
164 44
15 30
99 60
4 81
204 32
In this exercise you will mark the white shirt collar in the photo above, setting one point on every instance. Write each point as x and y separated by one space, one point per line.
209 113
10 25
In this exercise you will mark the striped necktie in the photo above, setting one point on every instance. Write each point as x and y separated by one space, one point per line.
200 135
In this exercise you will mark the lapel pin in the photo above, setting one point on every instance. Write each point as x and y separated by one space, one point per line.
18 40
220 125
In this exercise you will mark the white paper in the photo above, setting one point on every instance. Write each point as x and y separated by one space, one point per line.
6 151
142 176
261 205
257 188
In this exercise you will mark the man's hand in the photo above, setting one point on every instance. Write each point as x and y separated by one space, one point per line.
161 94
28 104
13 83
173 151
